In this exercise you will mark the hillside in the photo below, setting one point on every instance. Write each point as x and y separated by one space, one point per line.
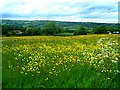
39 23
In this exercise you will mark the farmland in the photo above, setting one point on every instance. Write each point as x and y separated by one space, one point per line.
86 61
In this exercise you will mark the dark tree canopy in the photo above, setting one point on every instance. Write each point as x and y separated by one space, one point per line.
100 30
51 28
81 31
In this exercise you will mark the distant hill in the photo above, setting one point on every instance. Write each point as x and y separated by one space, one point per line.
40 23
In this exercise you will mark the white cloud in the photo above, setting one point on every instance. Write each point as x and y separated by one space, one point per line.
72 10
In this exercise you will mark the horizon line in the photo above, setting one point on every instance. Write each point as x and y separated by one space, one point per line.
58 20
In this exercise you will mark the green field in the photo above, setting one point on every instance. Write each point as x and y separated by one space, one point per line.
89 61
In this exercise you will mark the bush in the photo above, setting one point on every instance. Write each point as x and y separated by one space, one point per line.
81 31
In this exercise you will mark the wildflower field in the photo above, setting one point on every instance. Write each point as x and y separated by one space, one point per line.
87 61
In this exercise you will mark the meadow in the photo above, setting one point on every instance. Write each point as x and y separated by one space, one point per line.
86 61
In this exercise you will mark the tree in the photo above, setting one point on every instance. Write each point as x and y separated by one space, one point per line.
5 29
81 31
113 29
29 31
99 30
51 28
38 31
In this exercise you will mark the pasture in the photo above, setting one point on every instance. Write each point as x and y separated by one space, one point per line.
86 61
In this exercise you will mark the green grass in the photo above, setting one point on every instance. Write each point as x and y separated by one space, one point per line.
0 60
64 34
88 61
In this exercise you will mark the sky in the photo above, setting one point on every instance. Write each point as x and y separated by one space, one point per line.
102 11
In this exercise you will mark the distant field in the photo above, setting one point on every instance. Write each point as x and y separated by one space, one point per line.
64 34
60 62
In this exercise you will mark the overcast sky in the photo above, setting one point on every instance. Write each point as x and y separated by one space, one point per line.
104 11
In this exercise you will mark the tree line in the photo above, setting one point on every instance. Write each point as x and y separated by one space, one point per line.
52 28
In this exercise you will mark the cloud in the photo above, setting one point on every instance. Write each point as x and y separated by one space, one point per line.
69 10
